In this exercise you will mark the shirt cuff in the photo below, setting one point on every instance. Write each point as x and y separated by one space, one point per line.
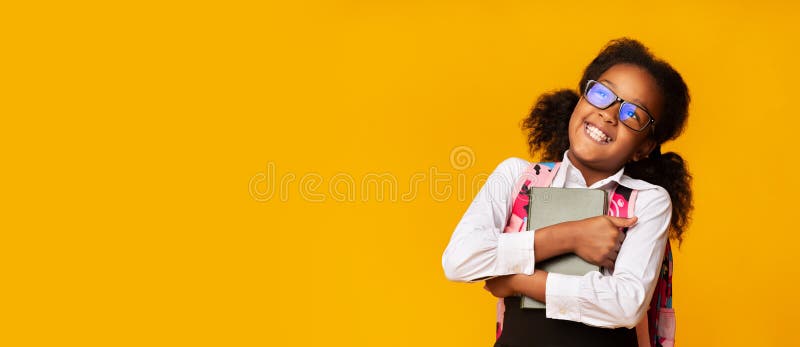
515 253
561 297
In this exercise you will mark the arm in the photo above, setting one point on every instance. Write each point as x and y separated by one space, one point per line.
551 241
643 332
611 301
479 249
532 286
619 299
596 240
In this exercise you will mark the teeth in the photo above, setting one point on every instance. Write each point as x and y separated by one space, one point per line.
597 134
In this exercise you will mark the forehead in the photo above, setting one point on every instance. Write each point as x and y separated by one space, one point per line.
634 84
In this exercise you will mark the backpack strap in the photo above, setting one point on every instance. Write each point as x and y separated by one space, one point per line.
660 315
622 201
535 175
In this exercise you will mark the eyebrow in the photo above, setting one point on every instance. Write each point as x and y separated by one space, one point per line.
637 101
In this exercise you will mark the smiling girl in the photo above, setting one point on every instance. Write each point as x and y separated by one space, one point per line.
607 136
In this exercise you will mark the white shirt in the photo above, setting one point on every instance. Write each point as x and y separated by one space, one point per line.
479 249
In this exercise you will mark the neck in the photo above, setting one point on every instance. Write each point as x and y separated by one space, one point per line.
590 175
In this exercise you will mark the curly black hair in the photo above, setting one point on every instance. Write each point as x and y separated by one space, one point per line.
547 125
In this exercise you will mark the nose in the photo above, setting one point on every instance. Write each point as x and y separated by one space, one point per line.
610 115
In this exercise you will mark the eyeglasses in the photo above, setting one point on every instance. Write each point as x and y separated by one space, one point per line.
635 117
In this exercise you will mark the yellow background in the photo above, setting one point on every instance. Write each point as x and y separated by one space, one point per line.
137 138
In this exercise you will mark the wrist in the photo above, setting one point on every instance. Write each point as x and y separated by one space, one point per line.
563 237
519 283
553 240
569 237
533 286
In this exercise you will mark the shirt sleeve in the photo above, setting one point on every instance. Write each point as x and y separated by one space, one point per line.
478 248
622 298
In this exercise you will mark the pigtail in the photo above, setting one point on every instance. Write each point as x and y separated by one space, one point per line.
669 171
547 125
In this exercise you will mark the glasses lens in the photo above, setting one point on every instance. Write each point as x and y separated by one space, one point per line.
598 95
633 116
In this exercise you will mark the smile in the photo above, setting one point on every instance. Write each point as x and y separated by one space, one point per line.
596 134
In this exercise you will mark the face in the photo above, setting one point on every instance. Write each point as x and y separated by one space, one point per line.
599 141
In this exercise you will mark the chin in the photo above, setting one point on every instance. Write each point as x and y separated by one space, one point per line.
591 157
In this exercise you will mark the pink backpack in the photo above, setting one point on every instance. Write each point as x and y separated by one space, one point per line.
660 315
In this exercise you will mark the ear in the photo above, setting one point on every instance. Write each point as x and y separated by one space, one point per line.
644 149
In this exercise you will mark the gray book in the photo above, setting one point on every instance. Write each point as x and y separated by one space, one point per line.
550 206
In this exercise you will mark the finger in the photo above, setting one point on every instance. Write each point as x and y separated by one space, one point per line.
612 261
621 238
620 222
612 255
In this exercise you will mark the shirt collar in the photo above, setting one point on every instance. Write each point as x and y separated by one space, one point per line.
577 180
576 177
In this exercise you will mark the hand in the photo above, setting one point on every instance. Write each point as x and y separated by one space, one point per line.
598 239
502 286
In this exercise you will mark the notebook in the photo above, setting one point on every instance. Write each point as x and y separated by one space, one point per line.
550 206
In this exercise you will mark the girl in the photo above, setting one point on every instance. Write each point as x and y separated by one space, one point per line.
610 135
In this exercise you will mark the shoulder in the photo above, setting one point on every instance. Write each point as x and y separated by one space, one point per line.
508 171
499 186
511 168
649 196
513 164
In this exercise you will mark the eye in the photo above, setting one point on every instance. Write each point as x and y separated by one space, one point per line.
600 93
600 96
629 111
